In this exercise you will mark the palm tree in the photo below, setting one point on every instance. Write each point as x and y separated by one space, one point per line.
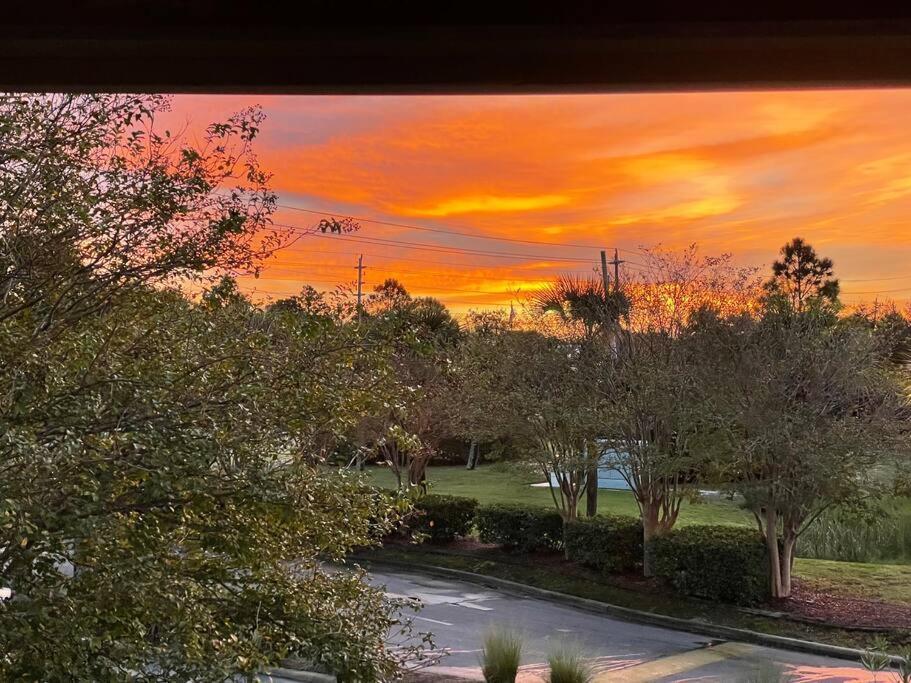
584 300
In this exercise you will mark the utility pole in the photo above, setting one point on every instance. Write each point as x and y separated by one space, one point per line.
591 476
616 263
360 283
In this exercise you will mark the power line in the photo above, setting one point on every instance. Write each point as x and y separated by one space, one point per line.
424 246
289 265
392 258
411 226
882 291
876 279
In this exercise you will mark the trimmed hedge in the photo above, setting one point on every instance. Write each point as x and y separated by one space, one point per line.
723 563
611 543
443 517
520 527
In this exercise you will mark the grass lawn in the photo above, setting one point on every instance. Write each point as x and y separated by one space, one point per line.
890 582
498 484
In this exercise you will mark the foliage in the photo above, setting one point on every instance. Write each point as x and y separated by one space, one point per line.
521 527
501 656
610 543
567 665
802 278
715 562
805 408
656 411
416 337
443 518
582 300
535 390
164 509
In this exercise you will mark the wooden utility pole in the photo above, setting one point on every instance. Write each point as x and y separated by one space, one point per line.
591 483
604 276
360 283
616 263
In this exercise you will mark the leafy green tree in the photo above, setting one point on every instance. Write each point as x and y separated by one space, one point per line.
417 337
536 390
806 410
802 277
164 511
656 407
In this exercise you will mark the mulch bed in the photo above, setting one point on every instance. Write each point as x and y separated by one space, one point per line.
807 603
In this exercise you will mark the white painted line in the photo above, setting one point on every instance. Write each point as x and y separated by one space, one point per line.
434 621
470 606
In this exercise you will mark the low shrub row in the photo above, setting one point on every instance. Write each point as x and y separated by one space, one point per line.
611 543
443 518
520 527
723 563
714 562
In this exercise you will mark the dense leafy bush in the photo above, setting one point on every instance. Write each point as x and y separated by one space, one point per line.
520 527
715 562
611 543
444 517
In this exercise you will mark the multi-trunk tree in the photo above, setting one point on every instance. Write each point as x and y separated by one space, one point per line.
806 408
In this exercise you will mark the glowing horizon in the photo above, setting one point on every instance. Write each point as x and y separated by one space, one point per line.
737 172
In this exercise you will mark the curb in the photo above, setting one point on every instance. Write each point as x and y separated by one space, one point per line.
633 615
296 675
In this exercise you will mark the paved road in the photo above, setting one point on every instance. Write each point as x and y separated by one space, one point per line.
459 613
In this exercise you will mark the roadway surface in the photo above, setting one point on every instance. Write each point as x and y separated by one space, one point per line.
459 613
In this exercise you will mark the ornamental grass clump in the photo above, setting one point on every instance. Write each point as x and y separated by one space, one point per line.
568 665
501 655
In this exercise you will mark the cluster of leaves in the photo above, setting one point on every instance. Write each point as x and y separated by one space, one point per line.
164 509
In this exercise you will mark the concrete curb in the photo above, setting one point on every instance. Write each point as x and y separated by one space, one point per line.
296 675
637 616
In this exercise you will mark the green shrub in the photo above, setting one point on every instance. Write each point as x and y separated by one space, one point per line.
501 655
442 517
567 665
611 543
716 562
520 527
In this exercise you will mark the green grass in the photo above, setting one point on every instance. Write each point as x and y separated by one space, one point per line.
504 484
890 582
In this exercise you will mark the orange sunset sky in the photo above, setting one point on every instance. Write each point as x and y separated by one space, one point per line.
733 172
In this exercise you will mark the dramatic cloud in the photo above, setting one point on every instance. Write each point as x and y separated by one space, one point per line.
733 172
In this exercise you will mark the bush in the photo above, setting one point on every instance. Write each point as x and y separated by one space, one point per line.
520 527
501 655
723 563
611 543
442 517
568 665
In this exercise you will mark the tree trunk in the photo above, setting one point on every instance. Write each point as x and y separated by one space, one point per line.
649 532
472 455
787 562
771 537
591 491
